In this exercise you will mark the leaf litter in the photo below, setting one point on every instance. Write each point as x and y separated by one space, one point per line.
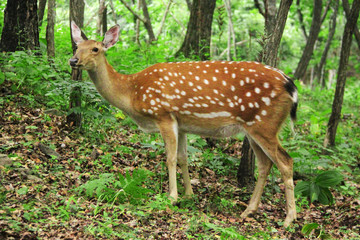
38 201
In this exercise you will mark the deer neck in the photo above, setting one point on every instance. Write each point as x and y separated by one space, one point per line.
113 86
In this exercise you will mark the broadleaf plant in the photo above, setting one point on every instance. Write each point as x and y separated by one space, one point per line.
317 189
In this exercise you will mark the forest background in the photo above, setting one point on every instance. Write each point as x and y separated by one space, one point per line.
86 171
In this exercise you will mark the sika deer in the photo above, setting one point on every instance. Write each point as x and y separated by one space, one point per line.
211 98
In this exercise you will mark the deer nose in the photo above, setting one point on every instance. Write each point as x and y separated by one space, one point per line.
73 62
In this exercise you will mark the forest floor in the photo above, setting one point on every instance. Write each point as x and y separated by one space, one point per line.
38 199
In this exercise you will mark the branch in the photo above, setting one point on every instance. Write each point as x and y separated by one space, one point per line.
134 13
177 21
231 33
301 19
258 6
164 18
113 10
346 7
325 11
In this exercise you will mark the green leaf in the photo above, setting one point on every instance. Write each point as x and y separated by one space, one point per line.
302 188
325 196
2 78
314 192
328 179
23 190
308 228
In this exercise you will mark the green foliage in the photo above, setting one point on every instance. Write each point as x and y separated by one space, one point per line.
317 189
225 233
119 188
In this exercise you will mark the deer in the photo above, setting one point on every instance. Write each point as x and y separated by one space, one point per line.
216 99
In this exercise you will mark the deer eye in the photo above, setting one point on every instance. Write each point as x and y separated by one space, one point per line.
95 49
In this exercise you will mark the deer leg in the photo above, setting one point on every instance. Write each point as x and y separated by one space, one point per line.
182 160
169 132
264 165
285 166
278 155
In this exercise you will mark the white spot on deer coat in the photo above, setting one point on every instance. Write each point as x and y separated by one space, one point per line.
213 114
266 100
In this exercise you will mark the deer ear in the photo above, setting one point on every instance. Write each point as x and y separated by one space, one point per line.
76 33
111 37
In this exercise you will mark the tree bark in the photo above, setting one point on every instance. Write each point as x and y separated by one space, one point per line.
270 16
346 7
231 32
50 29
273 43
332 27
258 6
113 11
198 35
41 10
189 4
77 15
164 18
245 174
341 79
99 23
310 43
137 24
301 19
145 20
246 170
104 22
21 31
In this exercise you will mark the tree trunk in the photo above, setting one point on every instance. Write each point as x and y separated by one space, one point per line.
231 32
270 16
77 15
113 11
198 35
245 174
104 22
189 4
137 24
164 18
356 30
332 27
301 19
147 22
50 29
246 170
310 43
99 24
273 42
20 30
42 4
341 79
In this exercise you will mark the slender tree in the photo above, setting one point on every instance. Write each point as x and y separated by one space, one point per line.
76 15
273 34
310 43
20 26
346 7
198 35
341 79
332 28
301 19
41 11
231 32
50 28
101 17
145 20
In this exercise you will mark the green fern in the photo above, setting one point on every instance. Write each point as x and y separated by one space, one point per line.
128 188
